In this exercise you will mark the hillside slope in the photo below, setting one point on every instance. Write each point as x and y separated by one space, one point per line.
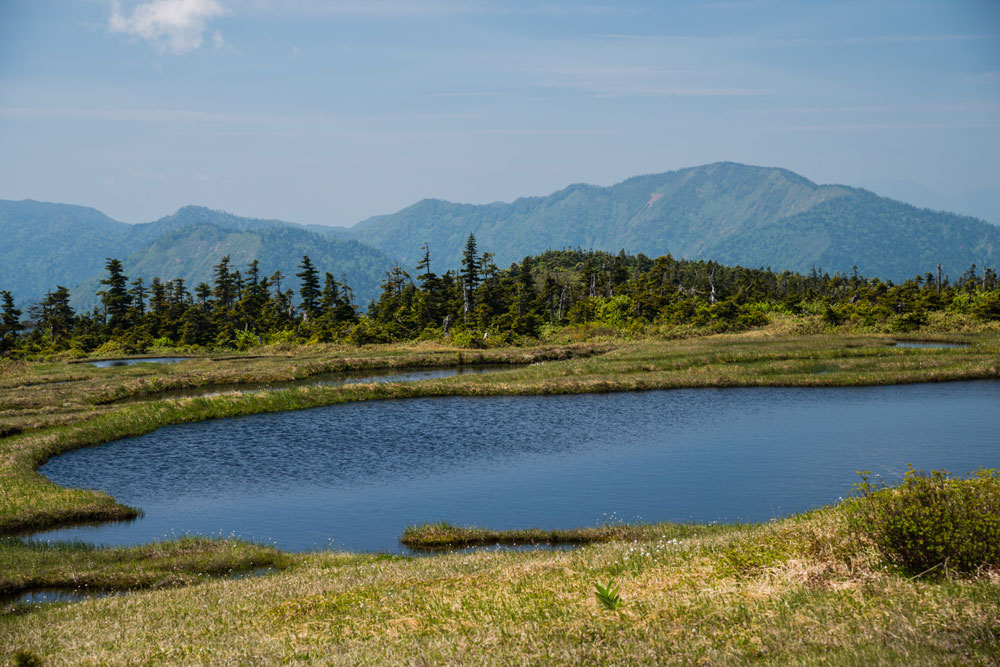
45 245
754 216
57 244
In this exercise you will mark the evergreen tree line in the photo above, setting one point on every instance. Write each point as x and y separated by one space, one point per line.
239 309
576 287
480 303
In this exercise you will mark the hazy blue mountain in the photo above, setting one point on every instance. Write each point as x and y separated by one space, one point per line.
191 251
57 244
754 216
728 212
982 203
45 245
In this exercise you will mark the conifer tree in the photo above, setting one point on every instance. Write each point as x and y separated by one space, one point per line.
309 286
10 322
224 285
202 293
115 297
138 294
425 264
53 316
254 296
469 275
330 298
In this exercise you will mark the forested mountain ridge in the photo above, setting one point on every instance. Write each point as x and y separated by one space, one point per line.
47 244
727 212
58 244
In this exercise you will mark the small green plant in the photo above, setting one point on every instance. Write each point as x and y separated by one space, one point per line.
608 595
931 521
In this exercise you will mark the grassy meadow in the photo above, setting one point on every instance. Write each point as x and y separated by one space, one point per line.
800 590
797 591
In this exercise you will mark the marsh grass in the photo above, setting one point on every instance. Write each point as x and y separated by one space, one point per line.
71 419
823 599
432 536
31 565
802 590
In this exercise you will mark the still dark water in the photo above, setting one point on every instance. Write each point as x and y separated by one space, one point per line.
113 363
353 476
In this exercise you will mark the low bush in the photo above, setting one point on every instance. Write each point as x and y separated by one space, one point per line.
931 521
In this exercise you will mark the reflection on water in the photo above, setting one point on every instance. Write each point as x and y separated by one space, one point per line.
112 363
930 345
353 476
50 595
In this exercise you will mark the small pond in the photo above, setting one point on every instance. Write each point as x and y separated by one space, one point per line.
46 596
927 344
114 363
50 595
353 476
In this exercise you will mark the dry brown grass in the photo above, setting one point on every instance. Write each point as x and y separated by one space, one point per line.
819 602
791 592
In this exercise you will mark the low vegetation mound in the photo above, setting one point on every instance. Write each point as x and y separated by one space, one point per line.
932 521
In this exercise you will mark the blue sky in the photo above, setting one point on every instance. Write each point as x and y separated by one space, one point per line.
329 111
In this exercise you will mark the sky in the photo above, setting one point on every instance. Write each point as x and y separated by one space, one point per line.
331 111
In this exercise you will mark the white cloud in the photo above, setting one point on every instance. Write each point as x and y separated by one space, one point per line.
394 9
175 26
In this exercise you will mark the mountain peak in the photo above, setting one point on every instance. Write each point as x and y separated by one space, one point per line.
724 211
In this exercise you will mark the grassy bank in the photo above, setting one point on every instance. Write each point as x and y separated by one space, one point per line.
798 591
79 567
73 419
35 395
433 536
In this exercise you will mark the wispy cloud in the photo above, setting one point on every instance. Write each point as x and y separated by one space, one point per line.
628 89
751 41
894 110
204 117
174 26
881 127
888 39
638 80
406 8
132 115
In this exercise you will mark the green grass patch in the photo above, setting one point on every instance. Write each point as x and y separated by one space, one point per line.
75 566
446 536
801 590
820 601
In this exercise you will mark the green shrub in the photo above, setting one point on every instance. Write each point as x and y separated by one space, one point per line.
162 342
245 340
931 521
908 322
470 338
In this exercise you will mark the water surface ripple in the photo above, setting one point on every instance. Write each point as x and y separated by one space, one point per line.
354 475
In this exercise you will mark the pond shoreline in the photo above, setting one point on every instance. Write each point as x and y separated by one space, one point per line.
795 590
717 361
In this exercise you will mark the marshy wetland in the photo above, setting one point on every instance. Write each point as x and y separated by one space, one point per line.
777 408
351 476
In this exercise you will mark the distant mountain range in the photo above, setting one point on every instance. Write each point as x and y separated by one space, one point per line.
731 213
57 244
